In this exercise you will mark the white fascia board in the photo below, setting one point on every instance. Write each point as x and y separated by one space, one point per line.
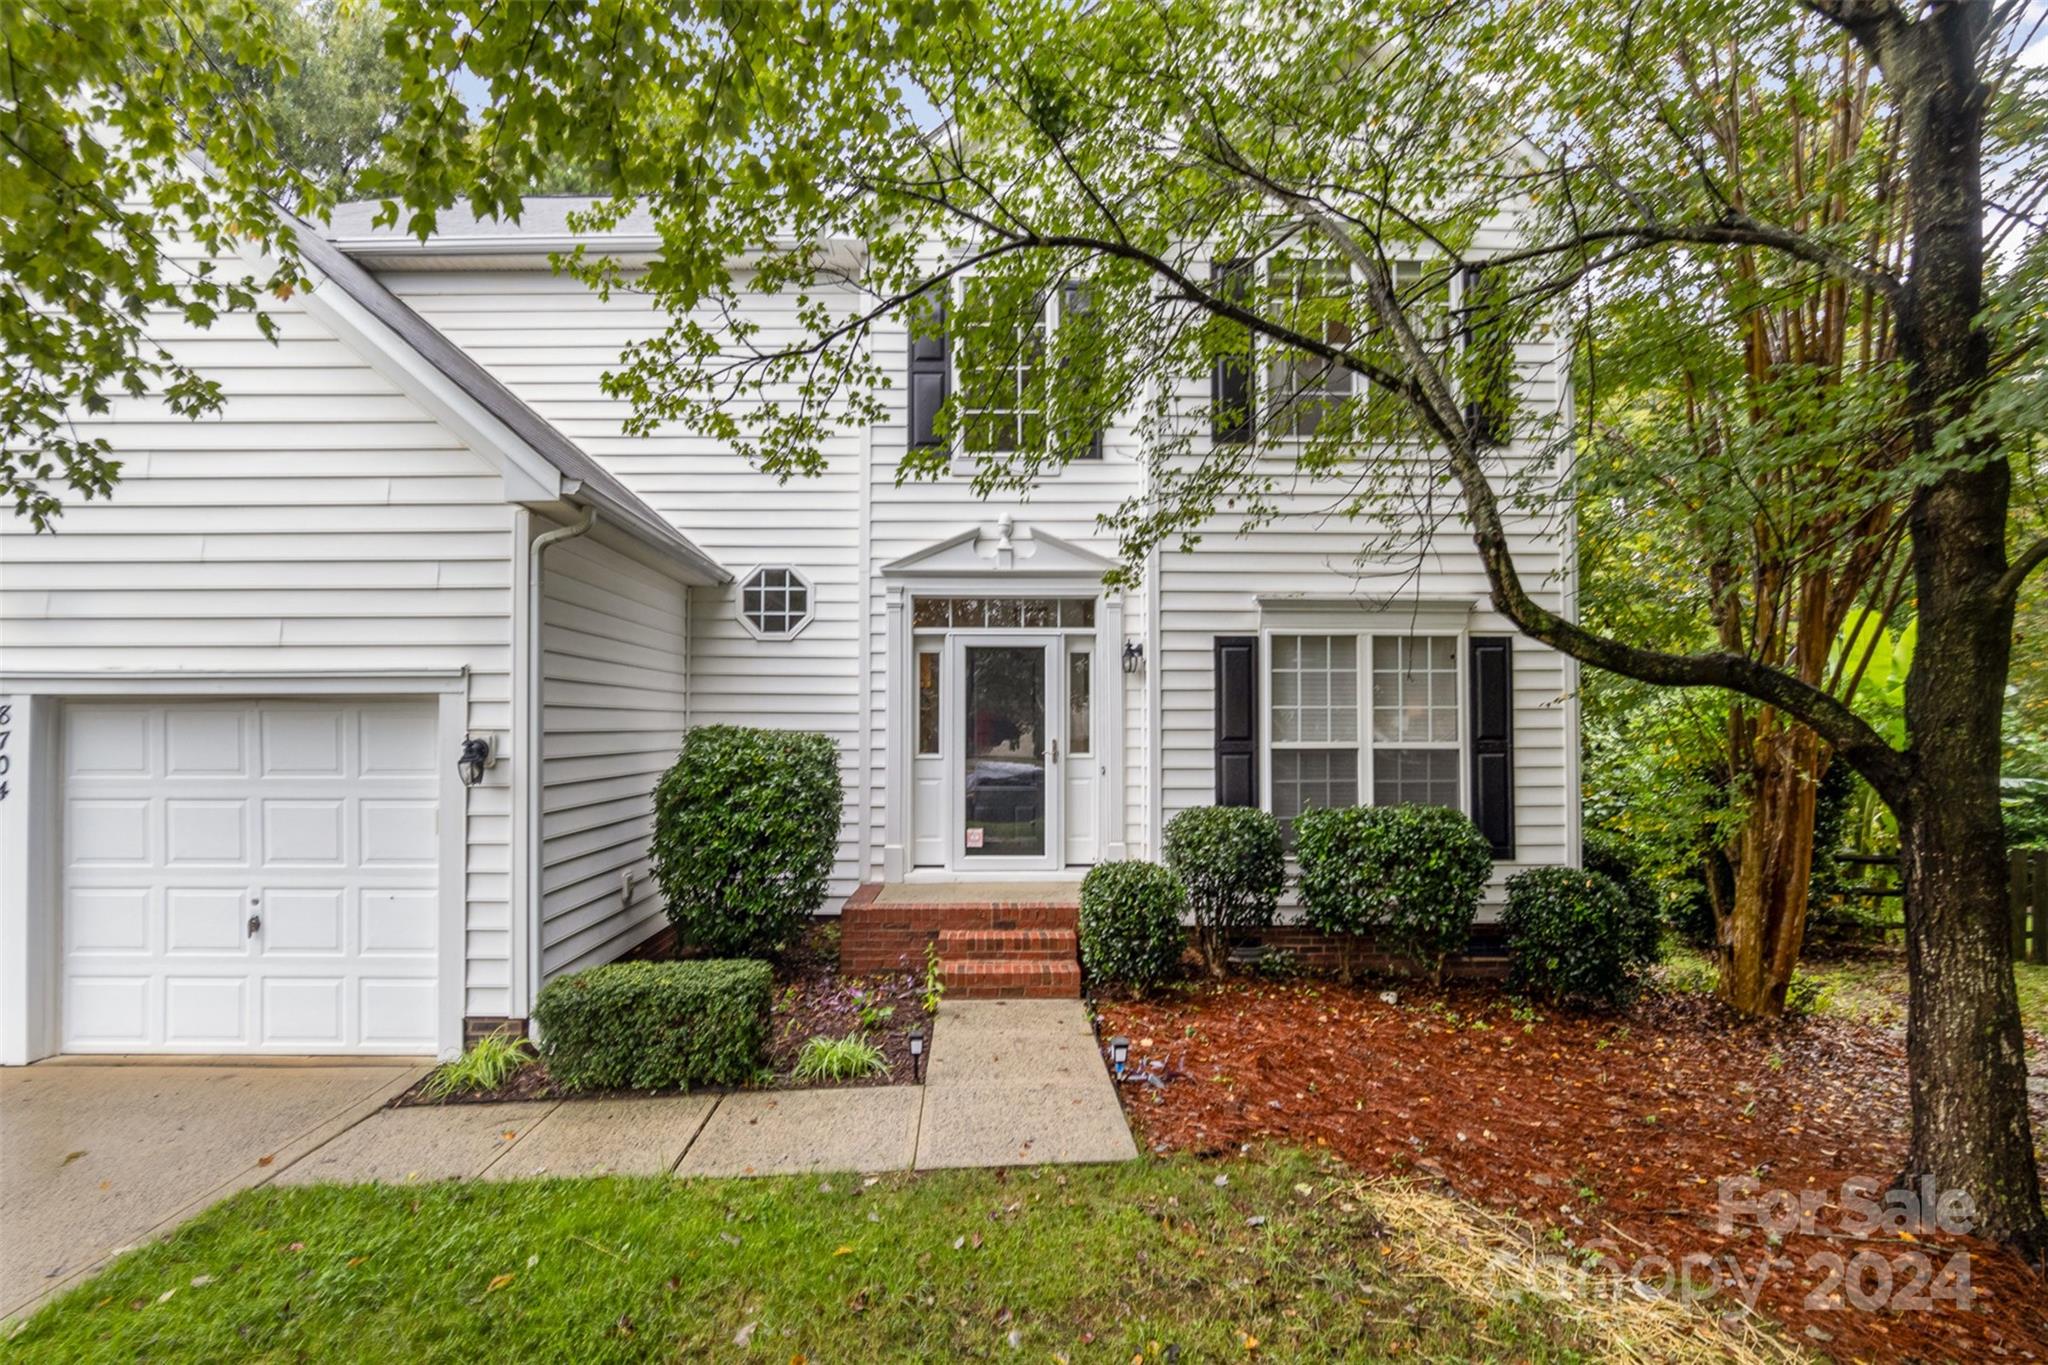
527 476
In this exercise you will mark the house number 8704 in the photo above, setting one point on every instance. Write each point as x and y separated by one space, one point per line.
6 759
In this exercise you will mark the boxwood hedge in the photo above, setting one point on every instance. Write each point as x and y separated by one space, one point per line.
745 827
1409 874
655 1025
1231 862
1131 932
1572 937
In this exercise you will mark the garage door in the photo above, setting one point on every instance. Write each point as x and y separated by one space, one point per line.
249 877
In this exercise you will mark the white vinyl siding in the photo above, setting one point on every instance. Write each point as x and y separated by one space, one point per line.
321 522
614 658
550 340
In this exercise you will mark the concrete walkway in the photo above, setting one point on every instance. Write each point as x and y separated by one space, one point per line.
99 1158
1008 1083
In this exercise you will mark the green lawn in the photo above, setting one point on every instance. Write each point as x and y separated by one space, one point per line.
1866 985
1079 1264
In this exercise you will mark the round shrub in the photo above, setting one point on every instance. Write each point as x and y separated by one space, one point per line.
1131 932
1231 862
745 828
1568 934
1612 856
1412 874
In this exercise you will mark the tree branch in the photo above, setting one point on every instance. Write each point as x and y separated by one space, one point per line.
1859 744
2030 559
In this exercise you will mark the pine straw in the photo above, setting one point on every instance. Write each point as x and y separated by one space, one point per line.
1489 1256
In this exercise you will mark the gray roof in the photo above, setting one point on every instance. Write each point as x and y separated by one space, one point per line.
621 506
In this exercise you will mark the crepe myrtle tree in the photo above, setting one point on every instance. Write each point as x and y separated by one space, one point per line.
1220 200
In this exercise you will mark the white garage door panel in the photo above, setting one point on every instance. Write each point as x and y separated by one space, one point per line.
183 820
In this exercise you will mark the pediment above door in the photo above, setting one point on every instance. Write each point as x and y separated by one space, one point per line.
1002 547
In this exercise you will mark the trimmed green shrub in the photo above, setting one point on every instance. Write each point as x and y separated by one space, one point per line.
1611 856
1568 933
1411 874
1131 932
1231 862
655 1025
745 828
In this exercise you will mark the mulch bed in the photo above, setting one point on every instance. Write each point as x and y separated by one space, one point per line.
811 999
1613 1130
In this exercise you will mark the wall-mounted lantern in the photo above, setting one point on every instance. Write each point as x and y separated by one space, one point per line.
476 756
1134 656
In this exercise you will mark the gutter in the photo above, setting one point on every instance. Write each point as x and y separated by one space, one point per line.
535 722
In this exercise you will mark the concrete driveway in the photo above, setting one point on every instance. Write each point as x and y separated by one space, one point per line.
97 1156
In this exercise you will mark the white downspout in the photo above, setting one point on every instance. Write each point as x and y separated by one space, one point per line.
536 710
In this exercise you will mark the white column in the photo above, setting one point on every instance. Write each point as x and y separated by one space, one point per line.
28 900
896 739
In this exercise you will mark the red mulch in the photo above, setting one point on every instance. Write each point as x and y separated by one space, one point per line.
1613 1129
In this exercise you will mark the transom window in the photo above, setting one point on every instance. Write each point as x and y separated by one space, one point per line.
1321 755
775 603
1003 613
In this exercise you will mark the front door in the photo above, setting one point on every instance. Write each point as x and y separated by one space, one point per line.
1008 797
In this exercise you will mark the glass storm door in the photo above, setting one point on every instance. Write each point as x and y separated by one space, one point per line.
1009 792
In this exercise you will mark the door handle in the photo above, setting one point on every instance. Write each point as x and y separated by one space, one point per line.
255 923
1055 751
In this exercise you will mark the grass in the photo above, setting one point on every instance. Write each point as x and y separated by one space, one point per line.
839 1059
1867 986
1286 1258
488 1064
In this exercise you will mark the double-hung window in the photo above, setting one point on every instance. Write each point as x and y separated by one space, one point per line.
1002 359
1317 296
1362 717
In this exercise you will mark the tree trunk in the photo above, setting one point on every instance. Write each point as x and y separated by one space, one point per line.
1965 1054
1965 1059
1764 926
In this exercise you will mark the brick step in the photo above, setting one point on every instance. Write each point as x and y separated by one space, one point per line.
1007 944
977 978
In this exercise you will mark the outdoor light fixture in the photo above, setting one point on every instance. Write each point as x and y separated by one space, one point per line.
476 756
1119 1054
1134 656
917 1054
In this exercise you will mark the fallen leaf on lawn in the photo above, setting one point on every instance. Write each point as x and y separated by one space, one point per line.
744 1337
499 1282
355 1261
533 1260
1251 1343
959 1241
201 1281
843 1251
296 1246
266 1160
165 1297
624 1326
70 1157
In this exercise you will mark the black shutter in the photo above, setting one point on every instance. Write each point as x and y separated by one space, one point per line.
1230 388
1488 363
1493 741
931 374
1074 303
1237 720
